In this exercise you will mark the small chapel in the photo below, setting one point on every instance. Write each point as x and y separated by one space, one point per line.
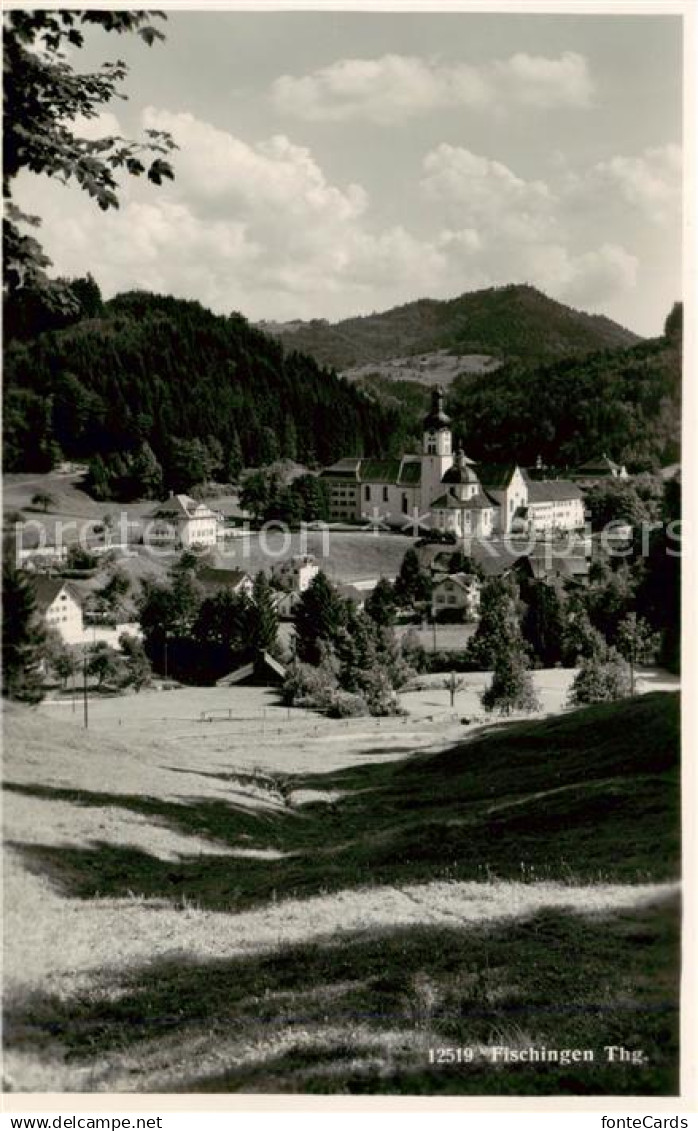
447 491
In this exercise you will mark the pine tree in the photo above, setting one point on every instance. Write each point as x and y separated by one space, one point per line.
319 617
264 618
23 637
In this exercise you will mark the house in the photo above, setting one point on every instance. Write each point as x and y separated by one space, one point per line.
295 573
456 593
60 604
285 603
182 522
263 671
445 491
225 580
598 470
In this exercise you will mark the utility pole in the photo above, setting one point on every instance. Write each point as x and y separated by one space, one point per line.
84 688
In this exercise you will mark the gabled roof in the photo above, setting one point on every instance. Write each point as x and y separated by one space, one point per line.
553 491
602 466
495 476
181 507
463 580
347 468
379 470
222 578
46 589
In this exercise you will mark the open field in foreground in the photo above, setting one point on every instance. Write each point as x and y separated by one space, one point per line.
177 918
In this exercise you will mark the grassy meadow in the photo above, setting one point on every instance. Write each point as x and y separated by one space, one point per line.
314 909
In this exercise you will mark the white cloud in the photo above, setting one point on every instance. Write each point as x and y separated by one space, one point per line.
395 88
649 183
261 228
486 194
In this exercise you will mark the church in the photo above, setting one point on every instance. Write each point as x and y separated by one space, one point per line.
448 492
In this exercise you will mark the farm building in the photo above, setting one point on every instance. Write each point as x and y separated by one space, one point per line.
60 604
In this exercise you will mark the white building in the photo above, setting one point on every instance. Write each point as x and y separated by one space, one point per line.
60 604
449 492
456 592
296 573
181 522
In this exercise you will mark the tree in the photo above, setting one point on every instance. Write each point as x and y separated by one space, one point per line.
498 628
637 643
45 100
511 688
147 473
319 617
413 584
103 663
23 637
138 671
544 623
43 499
255 494
602 678
380 605
264 628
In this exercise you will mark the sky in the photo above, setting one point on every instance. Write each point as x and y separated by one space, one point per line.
340 163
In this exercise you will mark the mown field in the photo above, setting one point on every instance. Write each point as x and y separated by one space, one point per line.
178 920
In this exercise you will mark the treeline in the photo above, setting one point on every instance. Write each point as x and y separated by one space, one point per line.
625 402
166 393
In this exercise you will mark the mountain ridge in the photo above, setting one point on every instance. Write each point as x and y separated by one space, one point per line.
513 321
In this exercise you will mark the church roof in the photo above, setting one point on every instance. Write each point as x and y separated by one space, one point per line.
437 418
410 472
379 470
462 474
450 501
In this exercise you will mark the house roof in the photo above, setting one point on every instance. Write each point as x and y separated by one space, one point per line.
222 578
181 506
495 476
553 491
347 468
46 589
602 466
464 580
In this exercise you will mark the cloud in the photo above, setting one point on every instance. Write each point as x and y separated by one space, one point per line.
486 194
395 88
649 183
263 229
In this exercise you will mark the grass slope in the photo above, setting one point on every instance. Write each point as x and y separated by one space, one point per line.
353 1001
590 796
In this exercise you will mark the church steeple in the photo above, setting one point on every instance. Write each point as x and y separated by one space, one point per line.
436 418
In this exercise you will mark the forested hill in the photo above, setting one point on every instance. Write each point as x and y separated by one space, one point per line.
625 402
159 376
505 322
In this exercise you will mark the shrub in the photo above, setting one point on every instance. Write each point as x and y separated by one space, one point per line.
345 705
601 678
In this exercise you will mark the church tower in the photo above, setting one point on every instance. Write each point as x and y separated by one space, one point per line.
437 453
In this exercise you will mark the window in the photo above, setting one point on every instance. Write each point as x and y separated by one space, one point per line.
404 504
385 494
367 493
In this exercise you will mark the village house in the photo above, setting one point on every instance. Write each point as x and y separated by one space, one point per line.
455 594
449 492
181 523
295 573
225 580
60 604
598 471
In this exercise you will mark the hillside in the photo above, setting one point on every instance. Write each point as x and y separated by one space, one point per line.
204 393
625 402
503 322
175 922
